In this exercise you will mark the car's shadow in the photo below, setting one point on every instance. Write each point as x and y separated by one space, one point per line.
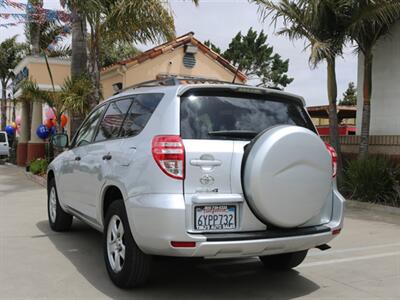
179 278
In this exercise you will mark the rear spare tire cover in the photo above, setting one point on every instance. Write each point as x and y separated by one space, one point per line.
287 175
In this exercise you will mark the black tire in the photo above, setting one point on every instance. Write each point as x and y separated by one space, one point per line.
63 220
285 261
135 269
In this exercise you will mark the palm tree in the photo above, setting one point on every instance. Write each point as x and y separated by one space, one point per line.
128 21
32 30
137 21
79 35
72 98
322 24
369 21
11 52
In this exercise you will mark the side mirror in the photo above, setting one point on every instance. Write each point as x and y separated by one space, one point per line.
60 140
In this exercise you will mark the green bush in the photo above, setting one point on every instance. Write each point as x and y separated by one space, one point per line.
38 166
373 179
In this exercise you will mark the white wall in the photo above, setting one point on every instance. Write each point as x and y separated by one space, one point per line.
385 101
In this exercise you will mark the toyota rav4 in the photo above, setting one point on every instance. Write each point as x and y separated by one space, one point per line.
211 170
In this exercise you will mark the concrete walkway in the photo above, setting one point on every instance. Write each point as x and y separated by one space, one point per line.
364 262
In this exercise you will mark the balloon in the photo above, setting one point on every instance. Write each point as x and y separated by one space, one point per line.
49 123
64 120
50 113
18 120
14 125
10 130
42 131
53 130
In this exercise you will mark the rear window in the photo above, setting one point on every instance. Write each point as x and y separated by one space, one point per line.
2 137
211 116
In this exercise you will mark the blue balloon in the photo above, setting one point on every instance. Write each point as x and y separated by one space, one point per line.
10 130
42 132
53 130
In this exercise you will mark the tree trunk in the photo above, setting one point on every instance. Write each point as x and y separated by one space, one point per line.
94 66
79 44
3 105
79 58
333 117
14 101
366 112
34 29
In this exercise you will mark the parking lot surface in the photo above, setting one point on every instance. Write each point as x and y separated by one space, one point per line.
364 262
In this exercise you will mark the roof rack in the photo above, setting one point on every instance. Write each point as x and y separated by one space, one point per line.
176 80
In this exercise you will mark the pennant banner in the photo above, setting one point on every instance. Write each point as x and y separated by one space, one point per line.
35 12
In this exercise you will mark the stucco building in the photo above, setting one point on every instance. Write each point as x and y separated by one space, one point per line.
30 146
183 56
385 101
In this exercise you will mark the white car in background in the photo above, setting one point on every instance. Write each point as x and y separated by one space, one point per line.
210 170
4 146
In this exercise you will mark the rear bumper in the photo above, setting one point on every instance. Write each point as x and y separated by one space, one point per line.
156 220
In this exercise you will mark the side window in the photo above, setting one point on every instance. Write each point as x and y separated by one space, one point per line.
139 114
88 128
112 121
3 137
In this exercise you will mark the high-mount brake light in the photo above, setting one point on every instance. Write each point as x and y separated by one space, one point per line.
169 154
332 151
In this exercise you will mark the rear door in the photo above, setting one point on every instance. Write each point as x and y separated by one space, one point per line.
216 125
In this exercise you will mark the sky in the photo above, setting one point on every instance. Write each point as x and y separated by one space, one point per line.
220 20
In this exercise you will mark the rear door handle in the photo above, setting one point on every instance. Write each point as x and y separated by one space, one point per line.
107 157
205 163
78 158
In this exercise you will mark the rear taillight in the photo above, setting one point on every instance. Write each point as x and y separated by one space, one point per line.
332 151
169 154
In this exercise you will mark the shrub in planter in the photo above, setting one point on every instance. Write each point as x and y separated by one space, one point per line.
373 179
38 166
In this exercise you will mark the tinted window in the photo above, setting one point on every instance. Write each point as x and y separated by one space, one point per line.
113 118
139 114
88 128
2 137
204 116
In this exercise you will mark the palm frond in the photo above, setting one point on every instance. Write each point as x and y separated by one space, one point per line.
319 22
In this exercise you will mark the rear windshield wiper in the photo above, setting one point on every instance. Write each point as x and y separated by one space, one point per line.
234 133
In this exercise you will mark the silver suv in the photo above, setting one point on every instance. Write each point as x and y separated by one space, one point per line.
212 170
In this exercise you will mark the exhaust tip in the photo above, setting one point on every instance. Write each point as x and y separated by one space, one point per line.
323 247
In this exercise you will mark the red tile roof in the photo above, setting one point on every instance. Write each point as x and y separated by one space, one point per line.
176 43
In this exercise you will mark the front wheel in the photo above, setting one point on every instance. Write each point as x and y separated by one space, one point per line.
285 261
126 264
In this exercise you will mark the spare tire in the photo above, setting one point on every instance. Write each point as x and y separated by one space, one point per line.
286 175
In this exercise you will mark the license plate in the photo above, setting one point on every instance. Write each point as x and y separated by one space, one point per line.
215 217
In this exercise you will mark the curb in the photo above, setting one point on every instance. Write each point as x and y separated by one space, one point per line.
37 179
373 207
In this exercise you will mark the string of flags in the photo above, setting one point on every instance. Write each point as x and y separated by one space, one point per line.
35 14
